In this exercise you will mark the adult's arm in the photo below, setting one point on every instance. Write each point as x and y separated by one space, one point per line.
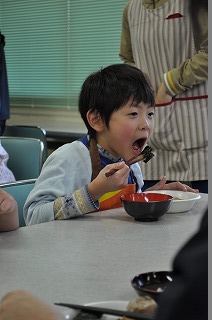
126 53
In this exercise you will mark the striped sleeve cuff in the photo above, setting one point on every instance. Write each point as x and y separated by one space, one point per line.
171 86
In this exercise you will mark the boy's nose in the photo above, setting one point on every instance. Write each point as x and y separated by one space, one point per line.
144 125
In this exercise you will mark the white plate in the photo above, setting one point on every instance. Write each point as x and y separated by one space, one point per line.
119 305
185 203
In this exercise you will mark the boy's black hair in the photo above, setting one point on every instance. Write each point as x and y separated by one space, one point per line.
110 88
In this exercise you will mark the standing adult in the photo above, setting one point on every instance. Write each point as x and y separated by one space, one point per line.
4 91
168 40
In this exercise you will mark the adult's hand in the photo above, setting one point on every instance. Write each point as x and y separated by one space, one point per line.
22 305
162 95
9 219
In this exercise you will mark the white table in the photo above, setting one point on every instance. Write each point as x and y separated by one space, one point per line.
92 258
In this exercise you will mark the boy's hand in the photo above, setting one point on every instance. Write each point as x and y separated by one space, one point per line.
162 185
102 184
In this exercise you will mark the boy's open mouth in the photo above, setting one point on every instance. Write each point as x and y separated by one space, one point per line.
138 145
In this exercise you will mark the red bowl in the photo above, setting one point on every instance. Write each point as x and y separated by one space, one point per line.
146 206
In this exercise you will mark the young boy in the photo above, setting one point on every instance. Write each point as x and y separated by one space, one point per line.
117 105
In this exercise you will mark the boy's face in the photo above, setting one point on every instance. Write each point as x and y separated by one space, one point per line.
129 130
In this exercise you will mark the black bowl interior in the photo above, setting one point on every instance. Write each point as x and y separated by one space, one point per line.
152 283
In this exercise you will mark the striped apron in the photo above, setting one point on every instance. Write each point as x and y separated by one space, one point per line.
180 137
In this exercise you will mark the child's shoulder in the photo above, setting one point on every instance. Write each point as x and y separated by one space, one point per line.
69 154
74 147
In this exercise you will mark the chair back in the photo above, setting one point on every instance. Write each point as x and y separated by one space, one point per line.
25 156
27 131
20 191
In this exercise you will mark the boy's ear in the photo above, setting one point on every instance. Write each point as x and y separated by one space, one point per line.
95 120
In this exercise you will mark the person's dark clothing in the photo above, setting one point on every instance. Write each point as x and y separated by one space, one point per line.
4 90
186 298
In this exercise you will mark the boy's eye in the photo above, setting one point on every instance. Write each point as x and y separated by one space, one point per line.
134 114
151 114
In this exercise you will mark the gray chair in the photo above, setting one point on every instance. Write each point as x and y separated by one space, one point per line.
25 156
28 131
19 190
